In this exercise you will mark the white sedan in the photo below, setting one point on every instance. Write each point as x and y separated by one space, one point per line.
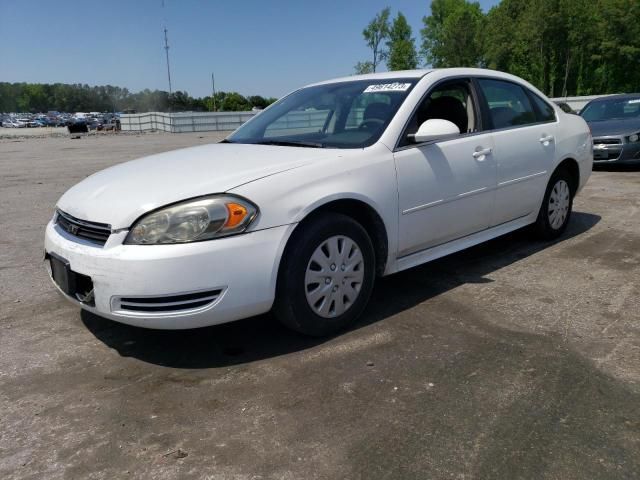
300 209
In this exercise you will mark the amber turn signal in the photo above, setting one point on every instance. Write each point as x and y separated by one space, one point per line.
237 214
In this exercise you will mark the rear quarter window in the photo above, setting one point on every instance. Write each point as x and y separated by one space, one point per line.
544 111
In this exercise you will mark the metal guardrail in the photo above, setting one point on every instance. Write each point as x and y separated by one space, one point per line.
223 121
183 122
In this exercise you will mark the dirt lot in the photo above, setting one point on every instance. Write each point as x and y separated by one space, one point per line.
516 359
14 133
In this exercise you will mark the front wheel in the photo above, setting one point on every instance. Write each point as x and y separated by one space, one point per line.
556 207
326 276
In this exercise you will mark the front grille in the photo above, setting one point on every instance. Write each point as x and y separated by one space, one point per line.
166 304
607 141
606 157
94 232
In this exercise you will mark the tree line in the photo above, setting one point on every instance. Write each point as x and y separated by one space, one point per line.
37 97
564 47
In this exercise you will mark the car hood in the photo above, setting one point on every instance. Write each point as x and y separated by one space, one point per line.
614 127
120 194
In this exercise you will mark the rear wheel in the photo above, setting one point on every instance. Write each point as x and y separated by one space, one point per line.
556 208
326 276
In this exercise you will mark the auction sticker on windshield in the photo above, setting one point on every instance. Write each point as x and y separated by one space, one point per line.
387 87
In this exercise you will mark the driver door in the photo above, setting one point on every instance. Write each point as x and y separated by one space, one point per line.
446 188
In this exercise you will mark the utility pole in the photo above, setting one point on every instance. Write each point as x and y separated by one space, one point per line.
166 49
213 89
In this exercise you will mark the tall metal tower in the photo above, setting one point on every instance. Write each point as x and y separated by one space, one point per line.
166 49
213 91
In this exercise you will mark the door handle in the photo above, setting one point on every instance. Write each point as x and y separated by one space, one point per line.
480 155
546 139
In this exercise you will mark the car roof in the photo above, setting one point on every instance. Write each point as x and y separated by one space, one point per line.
395 75
620 96
419 73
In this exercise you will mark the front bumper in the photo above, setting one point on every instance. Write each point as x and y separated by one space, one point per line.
242 268
606 152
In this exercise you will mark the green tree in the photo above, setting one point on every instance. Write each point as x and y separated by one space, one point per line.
180 101
452 34
217 105
234 102
617 61
528 38
567 47
30 97
401 47
258 101
363 67
375 34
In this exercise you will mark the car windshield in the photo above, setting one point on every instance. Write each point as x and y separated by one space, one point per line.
350 114
617 109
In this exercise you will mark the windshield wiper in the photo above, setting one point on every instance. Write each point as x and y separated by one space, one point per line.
290 143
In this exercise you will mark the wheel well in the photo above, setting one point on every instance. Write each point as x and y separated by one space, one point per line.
571 166
366 216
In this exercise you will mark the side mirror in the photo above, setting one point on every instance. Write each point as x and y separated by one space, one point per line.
435 129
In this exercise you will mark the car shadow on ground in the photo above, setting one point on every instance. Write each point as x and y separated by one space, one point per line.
263 337
616 168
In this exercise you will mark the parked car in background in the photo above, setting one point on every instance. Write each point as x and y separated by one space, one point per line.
64 122
302 207
615 125
53 119
111 124
93 124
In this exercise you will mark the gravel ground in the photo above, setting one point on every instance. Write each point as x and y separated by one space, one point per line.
33 132
515 359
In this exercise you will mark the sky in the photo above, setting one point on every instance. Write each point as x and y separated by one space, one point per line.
254 47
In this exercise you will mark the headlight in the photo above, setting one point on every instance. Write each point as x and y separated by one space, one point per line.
634 138
194 220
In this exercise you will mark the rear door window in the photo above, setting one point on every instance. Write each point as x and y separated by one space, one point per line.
509 105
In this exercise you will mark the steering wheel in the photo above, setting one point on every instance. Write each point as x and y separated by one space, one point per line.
371 123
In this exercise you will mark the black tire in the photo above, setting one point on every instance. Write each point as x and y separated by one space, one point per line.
544 229
291 306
